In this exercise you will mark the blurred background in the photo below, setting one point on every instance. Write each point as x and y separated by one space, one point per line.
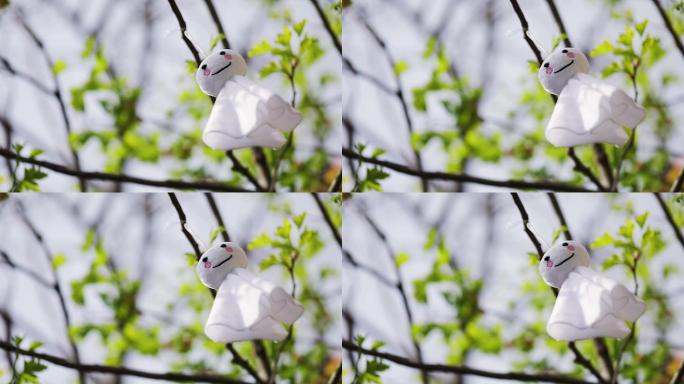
127 276
453 279
126 81
456 82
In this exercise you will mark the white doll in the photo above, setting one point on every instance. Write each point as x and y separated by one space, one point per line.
245 114
588 110
588 304
246 307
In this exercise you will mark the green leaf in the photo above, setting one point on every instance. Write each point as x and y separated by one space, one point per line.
603 48
299 219
641 27
400 67
641 219
58 260
262 48
58 67
602 241
299 27
401 259
263 240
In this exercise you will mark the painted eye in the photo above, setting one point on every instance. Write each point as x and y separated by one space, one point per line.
205 259
564 51
546 65
222 53
223 245
565 244
204 66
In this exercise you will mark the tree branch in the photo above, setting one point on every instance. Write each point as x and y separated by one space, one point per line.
217 22
579 358
600 343
463 370
217 215
462 177
670 218
328 219
678 185
169 184
327 25
399 286
94 368
60 100
237 165
57 288
670 27
184 221
402 102
579 166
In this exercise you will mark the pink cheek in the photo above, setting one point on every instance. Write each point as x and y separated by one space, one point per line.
549 70
228 57
571 248
571 55
229 249
206 72
207 264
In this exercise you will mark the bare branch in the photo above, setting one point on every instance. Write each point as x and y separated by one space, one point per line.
463 370
94 368
670 219
670 27
328 219
462 177
169 184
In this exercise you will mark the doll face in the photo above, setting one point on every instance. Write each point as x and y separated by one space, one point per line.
219 260
559 67
218 68
560 260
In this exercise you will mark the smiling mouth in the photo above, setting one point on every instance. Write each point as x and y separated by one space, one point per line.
557 265
223 262
219 71
569 64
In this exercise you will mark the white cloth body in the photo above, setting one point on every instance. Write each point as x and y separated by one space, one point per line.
248 115
591 111
590 305
247 307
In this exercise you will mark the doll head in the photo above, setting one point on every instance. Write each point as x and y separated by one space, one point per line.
217 68
560 66
560 260
218 261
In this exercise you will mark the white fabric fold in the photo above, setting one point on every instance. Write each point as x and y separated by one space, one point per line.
591 305
248 307
248 115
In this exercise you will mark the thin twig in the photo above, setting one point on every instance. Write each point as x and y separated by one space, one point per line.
402 102
184 222
57 93
56 287
328 219
670 218
217 22
328 27
217 215
679 183
670 27
401 290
